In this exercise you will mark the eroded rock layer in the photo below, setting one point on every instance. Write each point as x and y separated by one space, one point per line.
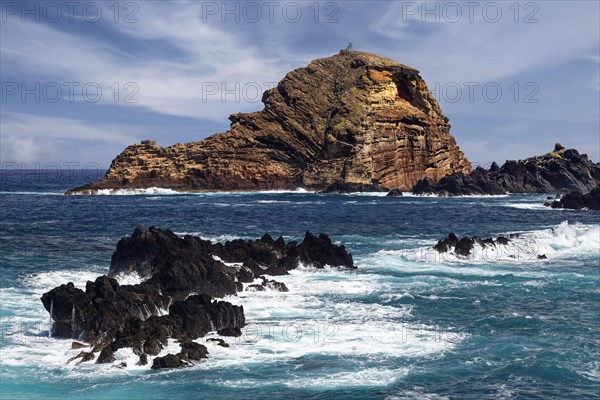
353 118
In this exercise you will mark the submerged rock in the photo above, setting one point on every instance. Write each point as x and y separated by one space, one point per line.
267 284
395 193
560 171
219 341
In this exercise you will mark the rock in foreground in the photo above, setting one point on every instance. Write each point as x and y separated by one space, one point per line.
181 276
353 118
560 171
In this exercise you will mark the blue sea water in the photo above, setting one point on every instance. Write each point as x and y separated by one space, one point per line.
407 324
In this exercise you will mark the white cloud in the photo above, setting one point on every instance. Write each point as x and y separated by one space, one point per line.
172 55
484 51
27 138
23 149
210 55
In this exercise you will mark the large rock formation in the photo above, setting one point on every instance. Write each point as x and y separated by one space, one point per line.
351 118
180 278
560 171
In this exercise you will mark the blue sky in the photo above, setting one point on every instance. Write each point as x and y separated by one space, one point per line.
514 78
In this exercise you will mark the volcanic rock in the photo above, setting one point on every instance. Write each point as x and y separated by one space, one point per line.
268 284
220 342
84 356
181 276
169 361
234 332
577 200
352 118
462 247
395 193
560 171
192 351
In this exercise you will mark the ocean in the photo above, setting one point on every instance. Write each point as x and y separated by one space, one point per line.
408 323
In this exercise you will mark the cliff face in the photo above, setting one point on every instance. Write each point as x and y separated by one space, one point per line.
351 118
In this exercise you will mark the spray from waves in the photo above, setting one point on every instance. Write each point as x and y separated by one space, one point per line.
131 278
217 238
131 192
568 239
168 192
324 314
466 196
562 241
531 206
26 324
363 194
311 319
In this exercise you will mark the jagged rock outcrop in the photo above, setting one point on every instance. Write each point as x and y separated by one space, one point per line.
353 118
181 276
462 247
170 260
578 200
489 248
560 171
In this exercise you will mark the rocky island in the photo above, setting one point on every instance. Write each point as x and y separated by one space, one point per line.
351 119
180 277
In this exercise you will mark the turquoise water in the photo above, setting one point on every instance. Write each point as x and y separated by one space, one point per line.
407 324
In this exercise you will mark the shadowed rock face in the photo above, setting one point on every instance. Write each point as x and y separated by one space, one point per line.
578 200
175 300
353 118
560 171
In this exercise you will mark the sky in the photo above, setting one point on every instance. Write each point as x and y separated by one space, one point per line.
82 80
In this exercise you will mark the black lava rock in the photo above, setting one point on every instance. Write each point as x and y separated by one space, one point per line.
560 171
175 300
169 361
462 247
395 193
578 200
